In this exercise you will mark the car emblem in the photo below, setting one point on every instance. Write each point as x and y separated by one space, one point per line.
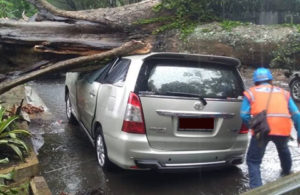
198 106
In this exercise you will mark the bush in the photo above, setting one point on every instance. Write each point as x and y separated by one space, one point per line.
15 8
10 142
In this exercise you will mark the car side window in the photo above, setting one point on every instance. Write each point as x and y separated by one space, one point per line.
99 74
106 70
118 72
95 75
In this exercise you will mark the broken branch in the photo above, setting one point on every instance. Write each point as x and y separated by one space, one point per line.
73 63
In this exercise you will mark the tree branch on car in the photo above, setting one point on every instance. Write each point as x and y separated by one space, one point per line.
76 63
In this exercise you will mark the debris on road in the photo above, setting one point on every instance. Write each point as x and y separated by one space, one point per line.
30 109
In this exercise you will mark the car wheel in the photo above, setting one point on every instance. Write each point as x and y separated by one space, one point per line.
70 116
295 89
101 152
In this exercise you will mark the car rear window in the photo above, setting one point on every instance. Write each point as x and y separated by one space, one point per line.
204 79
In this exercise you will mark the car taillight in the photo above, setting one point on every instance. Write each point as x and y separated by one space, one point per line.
244 129
133 119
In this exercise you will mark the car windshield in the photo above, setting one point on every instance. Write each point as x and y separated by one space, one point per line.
199 79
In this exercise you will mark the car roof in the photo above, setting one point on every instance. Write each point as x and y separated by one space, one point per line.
229 61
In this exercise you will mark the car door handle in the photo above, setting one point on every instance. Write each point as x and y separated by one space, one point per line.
92 94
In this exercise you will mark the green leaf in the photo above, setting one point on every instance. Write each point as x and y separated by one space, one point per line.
8 176
6 123
4 161
17 150
2 111
17 131
12 135
19 142
2 188
3 141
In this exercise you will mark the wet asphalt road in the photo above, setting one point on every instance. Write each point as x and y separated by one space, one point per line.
69 165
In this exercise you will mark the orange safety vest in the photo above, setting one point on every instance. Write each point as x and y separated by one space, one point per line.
278 115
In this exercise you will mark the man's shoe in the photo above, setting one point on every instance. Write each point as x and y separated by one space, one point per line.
285 173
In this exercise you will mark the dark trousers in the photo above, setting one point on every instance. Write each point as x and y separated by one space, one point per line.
256 152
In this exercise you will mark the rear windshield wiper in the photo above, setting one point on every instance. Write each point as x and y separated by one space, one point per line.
204 102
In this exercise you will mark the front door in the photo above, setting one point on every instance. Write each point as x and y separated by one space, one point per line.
88 86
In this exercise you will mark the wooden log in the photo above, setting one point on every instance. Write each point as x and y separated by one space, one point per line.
116 18
59 37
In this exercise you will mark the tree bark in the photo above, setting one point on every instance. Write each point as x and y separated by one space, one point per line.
115 18
25 43
127 48
81 36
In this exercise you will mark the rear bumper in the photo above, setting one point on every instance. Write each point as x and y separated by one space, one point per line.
156 165
131 151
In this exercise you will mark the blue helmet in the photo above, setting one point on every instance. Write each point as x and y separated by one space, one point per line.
262 74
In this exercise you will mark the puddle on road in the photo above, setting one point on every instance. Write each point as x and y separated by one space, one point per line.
56 127
39 127
38 142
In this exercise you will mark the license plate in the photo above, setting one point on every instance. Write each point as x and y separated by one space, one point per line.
191 124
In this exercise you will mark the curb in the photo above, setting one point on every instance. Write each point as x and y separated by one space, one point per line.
39 186
289 184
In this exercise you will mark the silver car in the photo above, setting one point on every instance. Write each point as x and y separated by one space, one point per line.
161 111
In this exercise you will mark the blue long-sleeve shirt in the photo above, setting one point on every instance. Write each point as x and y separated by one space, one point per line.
293 109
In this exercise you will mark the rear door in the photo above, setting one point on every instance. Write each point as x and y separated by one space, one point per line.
190 105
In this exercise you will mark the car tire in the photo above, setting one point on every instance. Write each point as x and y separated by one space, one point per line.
295 89
69 113
101 152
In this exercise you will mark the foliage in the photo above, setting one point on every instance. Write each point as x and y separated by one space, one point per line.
187 13
7 190
285 54
15 8
9 136
4 189
297 26
3 161
8 176
19 190
228 25
6 9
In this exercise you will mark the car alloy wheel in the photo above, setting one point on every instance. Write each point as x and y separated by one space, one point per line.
69 114
68 108
100 148
295 90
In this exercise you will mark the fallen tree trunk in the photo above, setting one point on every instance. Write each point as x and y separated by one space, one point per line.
116 18
23 44
93 34
74 63
75 38
254 45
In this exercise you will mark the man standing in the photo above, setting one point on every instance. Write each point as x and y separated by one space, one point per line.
280 110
